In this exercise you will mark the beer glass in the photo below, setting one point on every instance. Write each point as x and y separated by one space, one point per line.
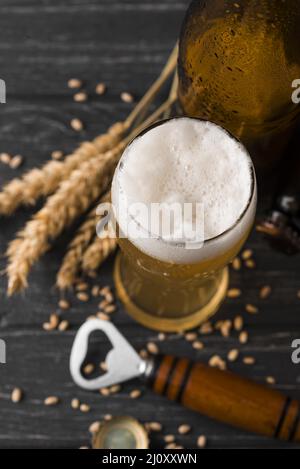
164 284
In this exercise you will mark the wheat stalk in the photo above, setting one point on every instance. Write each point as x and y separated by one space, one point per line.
72 261
44 181
72 199
98 251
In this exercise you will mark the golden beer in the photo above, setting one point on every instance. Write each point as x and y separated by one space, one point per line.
165 285
237 65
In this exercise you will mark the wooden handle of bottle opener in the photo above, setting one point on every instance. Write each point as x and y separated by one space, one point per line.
226 397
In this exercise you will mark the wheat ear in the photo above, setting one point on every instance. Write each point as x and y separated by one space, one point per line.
44 181
71 200
98 251
72 261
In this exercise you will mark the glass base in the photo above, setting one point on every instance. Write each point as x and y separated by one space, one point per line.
177 323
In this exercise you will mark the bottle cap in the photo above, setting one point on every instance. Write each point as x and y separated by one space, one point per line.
121 433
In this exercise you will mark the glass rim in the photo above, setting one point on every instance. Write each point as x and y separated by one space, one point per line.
208 241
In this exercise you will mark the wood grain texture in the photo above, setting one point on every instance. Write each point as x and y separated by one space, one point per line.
124 43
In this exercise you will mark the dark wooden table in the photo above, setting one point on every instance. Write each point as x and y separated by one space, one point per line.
123 43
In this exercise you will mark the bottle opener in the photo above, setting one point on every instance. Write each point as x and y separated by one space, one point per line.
218 394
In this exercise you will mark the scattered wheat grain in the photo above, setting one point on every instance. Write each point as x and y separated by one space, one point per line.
197 345
250 264
233 355
135 394
64 304
95 291
234 293
184 429
270 380
238 323
16 395
94 427
16 162
51 401
83 296
89 369
82 287
103 366
57 155
100 89
169 438
206 328
265 292
243 337
127 97
251 309
247 254
80 97
155 426
85 408
74 83
249 360
110 309
115 389
103 316
152 348
75 403
63 325
76 124
236 264
201 441
217 362
5 158
190 336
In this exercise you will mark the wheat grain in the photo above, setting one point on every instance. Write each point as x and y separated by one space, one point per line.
80 97
75 403
84 408
5 158
184 429
95 427
76 124
100 89
201 441
74 83
135 394
63 325
57 155
16 162
126 97
51 401
16 395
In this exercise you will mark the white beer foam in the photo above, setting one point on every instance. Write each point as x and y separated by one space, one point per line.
187 161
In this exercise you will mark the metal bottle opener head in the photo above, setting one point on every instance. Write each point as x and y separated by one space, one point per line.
122 361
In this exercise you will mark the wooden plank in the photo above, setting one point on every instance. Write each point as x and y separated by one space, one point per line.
123 43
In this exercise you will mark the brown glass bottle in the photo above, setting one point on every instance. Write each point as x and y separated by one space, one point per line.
237 63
